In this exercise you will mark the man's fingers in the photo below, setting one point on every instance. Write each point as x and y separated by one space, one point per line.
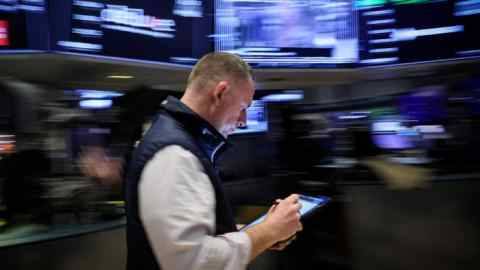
293 198
271 209
277 201
298 206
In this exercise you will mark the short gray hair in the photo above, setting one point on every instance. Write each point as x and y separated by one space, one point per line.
218 66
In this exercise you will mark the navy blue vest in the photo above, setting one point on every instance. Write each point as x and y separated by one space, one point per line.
175 124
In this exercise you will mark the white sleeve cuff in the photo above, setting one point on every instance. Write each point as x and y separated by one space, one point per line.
242 245
229 251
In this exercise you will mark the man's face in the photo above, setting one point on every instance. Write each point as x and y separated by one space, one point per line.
232 111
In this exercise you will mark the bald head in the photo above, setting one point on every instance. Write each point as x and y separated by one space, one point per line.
215 67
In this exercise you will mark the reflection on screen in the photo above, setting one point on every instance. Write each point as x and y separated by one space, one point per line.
307 206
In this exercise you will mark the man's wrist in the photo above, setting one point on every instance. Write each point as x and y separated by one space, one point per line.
262 238
266 231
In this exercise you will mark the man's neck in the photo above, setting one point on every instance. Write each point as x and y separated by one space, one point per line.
194 103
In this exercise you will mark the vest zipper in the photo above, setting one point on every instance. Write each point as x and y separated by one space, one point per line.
216 150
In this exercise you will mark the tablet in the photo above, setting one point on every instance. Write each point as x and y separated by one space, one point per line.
309 205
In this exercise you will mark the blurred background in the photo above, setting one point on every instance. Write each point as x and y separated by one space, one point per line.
373 103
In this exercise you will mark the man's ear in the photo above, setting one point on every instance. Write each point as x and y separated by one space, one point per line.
219 91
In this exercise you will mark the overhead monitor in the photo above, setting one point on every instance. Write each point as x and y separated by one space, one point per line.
266 33
405 31
171 31
288 33
23 26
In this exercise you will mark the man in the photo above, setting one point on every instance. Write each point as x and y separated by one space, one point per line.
178 216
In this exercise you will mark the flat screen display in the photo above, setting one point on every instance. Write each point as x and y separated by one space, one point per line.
290 33
393 135
404 31
23 26
266 33
256 119
173 31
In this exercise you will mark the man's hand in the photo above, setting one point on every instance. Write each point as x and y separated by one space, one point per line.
281 223
95 163
279 246
283 218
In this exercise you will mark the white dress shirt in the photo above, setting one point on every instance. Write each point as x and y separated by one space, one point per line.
177 209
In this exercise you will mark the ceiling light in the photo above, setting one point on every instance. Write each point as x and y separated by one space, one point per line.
124 77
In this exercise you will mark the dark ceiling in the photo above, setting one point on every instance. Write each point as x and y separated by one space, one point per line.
63 71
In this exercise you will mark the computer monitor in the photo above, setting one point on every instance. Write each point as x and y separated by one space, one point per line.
392 135
169 31
23 26
95 99
404 31
256 119
289 33
425 105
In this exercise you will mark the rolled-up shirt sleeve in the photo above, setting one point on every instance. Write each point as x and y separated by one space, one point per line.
177 209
